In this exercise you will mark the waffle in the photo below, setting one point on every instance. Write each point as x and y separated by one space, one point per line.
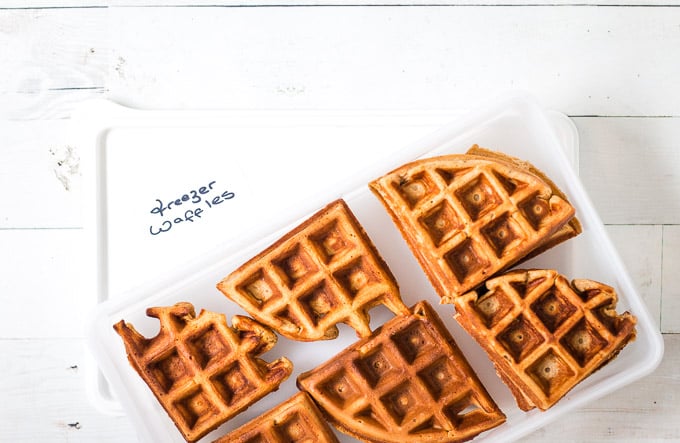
467 217
296 420
408 382
543 334
324 272
202 371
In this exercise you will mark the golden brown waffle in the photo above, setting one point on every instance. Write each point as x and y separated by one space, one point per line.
296 420
325 271
466 217
569 230
406 383
202 371
543 334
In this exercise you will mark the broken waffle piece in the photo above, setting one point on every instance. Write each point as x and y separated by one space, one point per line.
406 383
469 216
543 334
324 272
202 371
296 420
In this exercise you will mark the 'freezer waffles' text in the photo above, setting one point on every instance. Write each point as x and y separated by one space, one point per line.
188 207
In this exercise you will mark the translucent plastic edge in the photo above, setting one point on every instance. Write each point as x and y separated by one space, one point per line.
103 310
91 123
650 330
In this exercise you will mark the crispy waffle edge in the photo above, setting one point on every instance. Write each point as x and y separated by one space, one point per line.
431 321
572 229
256 338
568 229
524 395
286 422
392 300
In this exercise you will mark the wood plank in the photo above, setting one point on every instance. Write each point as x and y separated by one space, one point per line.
42 288
43 388
615 152
612 153
49 59
40 176
581 60
44 397
645 411
49 52
670 300
37 4
640 249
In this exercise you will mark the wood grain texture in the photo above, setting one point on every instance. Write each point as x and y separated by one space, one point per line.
50 59
642 412
42 284
250 57
670 298
615 152
640 249
583 61
53 4
44 399
40 176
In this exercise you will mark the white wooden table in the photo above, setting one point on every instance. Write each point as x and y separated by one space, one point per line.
614 68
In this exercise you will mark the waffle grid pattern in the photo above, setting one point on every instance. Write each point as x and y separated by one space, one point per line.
543 333
202 371
324 272
407 381
297 420
466 218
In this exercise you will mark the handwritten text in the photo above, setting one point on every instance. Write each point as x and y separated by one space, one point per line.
189 207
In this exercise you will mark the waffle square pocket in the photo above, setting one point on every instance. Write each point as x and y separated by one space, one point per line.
469 216
296 420
202 371
323 272
544 334
408 382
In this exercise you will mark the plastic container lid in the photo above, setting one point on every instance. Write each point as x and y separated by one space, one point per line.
516 126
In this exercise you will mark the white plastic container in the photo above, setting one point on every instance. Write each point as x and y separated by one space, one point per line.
516 126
